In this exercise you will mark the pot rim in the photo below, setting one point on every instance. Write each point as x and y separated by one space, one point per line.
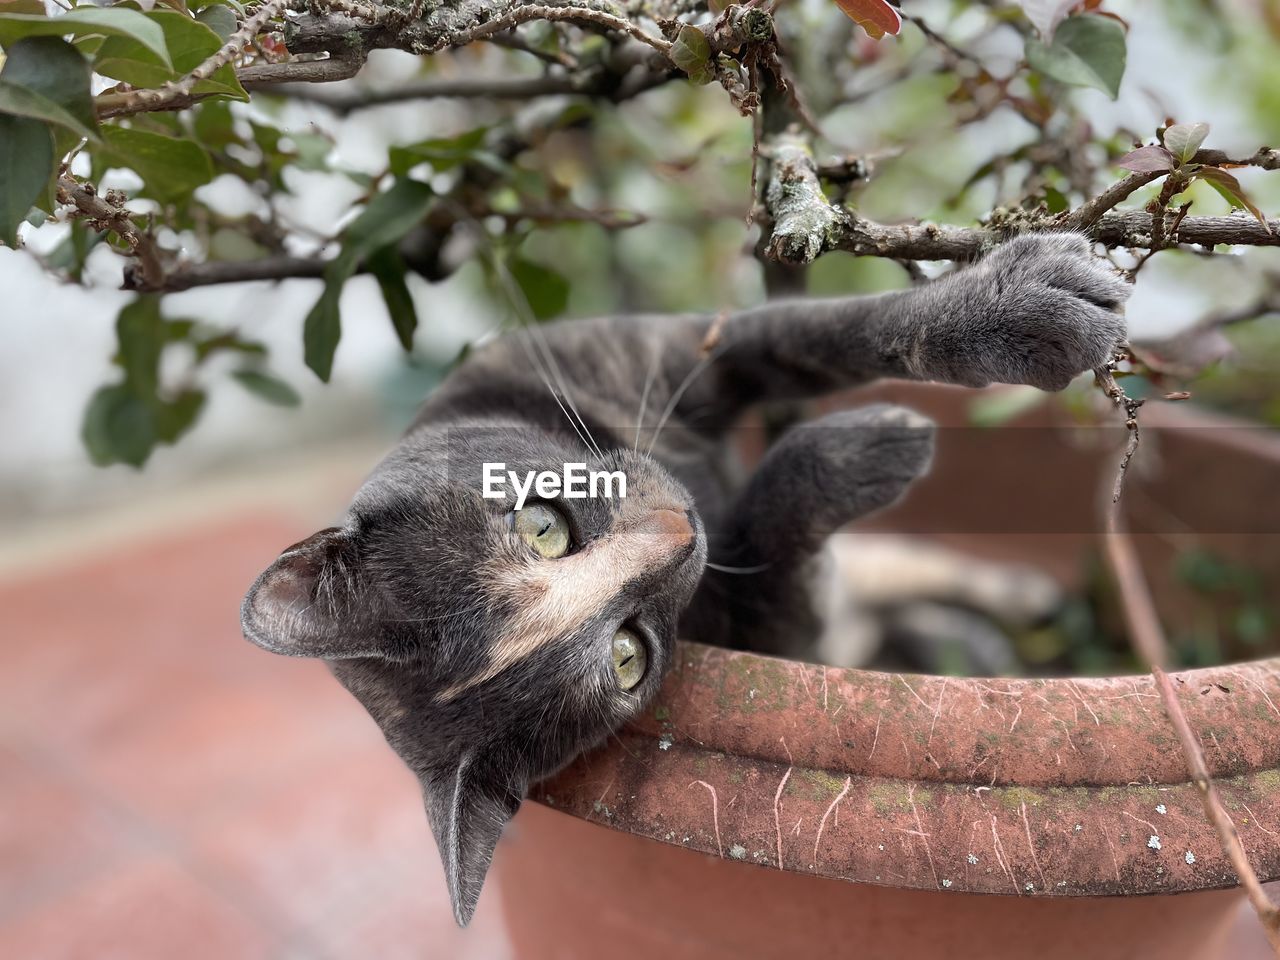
1057 787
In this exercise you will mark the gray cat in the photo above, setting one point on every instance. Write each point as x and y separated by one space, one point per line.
493 645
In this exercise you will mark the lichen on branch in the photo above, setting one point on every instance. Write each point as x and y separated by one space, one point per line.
805 222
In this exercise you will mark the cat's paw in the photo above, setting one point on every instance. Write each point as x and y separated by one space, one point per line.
868 456
1038 310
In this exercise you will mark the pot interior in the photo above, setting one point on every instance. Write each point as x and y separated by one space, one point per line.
1199 503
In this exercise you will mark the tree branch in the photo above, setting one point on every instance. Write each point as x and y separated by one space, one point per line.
807 224
108 213
180 91
347 30
804 221
1265 158
215 272
491 88
258 76
524 14
466 21
1130 229
1091 211
1147 637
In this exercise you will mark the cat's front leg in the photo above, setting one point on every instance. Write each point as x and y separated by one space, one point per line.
818 477
1038 310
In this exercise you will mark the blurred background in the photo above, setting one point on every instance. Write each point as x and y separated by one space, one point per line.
160 777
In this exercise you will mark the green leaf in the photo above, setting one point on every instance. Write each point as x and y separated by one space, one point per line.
26 163
692 53
546 291
219 19
267 138
323 329
170 168
140 338
387 267
189 42
443 153
227 340
119 427
267 387
311 150
54 69
1087 51
1055 200
214 126
384 220
175 417
18 101
387 218
1184 139
126 420
1231 190
235 245
87 22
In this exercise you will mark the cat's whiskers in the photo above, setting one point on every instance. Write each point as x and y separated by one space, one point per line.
759 568
583 432
644 397
524 315
550 359
693 374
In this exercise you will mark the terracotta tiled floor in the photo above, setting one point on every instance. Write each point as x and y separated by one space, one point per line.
171 791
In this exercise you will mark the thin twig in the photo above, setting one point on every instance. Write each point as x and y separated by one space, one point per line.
108 213
362 11
256 76
181 90
215 272
490 88
1090 212
807 224
1147 637
533 11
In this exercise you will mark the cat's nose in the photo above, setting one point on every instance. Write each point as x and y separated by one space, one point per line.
671 524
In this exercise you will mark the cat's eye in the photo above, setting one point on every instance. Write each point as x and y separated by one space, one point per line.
544 528
629 658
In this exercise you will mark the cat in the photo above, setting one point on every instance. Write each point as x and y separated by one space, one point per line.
493 646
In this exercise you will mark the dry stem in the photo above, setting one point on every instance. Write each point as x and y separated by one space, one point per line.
103 213
1148 640
181 91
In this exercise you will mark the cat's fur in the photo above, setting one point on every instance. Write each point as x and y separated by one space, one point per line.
488 667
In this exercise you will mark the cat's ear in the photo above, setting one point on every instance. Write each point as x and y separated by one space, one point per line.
468 808
311 602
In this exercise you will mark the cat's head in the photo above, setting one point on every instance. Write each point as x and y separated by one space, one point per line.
491 645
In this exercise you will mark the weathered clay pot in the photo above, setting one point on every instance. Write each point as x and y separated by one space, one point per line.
975 818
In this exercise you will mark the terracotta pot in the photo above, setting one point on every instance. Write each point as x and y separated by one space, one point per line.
974 817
